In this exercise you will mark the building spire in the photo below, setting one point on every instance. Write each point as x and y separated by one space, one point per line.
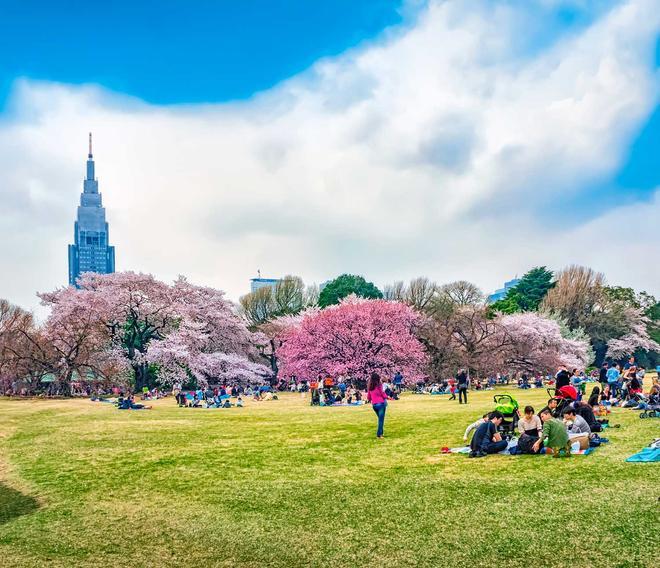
90 167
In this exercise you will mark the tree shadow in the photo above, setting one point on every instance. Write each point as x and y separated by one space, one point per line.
13 504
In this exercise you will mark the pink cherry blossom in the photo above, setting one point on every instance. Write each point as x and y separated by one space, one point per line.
354 338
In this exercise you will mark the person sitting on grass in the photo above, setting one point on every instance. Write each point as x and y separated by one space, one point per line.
554 436
227 404
474 426
487 440
530 424
594 397
551 407
587 412
239 402
574 423
128 403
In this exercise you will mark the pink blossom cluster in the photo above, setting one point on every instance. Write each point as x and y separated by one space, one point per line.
353 339
134 320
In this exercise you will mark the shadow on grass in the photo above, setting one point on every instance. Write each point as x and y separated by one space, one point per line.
14 504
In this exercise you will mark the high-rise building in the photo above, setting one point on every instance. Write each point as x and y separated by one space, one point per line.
90 251
256 283
502 292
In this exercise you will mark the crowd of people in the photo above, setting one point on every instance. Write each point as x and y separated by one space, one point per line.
569 419
567 422
222 396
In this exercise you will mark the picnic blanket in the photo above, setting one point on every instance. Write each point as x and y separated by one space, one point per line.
514 443
357 403
650 454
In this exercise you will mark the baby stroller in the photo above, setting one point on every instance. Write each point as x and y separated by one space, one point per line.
564 397
651 411
509 408
652 407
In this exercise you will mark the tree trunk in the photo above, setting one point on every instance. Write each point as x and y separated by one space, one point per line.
141 372
273 359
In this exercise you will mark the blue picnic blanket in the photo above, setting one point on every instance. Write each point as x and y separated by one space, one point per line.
646 455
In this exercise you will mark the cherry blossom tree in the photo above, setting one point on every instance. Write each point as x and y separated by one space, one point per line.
74 338
17 330
182 329
465 336
354 338
535 343
268 338
462 336
636 337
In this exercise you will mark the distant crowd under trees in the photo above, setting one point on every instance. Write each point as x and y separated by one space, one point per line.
134 330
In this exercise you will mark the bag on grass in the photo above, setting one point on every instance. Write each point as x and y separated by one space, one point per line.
526 444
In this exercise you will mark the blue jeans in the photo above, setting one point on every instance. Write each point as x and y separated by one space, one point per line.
379 409
496 447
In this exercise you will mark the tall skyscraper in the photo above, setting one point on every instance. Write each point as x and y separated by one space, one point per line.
90 251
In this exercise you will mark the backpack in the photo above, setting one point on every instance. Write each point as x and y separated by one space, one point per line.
526 443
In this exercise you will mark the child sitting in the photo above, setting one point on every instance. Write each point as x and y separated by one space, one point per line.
239 402
474 426
554 436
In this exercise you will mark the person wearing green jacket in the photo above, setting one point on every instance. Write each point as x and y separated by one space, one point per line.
554 436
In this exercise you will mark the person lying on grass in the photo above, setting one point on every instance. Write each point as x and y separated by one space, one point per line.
474 426
487 440
554 436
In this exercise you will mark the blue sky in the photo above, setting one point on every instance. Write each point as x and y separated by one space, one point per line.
323 137
177 51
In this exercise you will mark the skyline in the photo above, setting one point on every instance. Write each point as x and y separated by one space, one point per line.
412 152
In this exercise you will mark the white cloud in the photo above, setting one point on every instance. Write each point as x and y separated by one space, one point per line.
434 151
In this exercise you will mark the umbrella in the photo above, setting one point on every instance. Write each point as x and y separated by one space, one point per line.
49 378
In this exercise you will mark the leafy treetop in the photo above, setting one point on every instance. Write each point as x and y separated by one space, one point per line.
527 295
344 286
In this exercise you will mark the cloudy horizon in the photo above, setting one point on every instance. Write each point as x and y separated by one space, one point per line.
453 145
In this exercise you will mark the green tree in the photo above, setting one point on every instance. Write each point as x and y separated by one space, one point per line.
527 295
629 297
345 285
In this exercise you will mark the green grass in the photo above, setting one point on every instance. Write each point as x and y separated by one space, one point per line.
282 484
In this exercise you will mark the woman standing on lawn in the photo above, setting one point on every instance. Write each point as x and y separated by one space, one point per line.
378 399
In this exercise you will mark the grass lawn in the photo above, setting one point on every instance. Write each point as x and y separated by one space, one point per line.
280 483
